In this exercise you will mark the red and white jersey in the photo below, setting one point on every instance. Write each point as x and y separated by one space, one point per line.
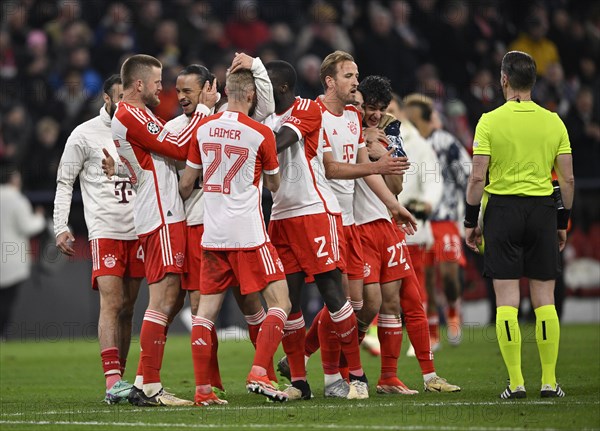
300 192
146 149
367 206
194 205
344 134
233 150
107 203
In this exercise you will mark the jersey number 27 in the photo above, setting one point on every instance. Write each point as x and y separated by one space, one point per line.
241 155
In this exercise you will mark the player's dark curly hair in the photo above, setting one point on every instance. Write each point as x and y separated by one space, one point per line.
376 90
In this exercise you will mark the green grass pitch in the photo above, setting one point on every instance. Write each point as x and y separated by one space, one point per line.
59 386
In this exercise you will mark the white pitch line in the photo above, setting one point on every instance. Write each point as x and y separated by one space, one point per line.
275 426
310 407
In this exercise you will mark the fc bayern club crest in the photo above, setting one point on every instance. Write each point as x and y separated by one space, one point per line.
153 127
279 264
109 261
179 259
353 127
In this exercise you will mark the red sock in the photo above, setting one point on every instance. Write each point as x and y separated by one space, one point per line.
330 344
344 371
389 332
140 370
215 374
269 337
123 363
415 321
293 341
152 342
433 320
311 343
254 322
202 347
111 366
451 311
344 321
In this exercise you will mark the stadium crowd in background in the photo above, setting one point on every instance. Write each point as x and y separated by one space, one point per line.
54 53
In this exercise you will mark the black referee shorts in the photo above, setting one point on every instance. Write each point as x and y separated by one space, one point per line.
521 239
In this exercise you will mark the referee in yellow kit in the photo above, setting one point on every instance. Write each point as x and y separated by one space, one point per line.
517 145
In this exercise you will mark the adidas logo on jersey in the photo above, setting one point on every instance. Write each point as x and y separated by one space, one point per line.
329 261
406 267
199 342
334 132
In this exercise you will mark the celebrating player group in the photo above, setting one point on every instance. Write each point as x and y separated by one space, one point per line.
180 203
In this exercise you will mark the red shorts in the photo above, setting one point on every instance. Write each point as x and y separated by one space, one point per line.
121 258
351 251
164 251
307 243
190 280
386 255
447 242
251 269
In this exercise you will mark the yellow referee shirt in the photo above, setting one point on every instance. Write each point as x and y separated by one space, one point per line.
522 140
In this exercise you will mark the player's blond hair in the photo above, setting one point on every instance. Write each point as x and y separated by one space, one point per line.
239 84
137 67
329 65
418 99
422 102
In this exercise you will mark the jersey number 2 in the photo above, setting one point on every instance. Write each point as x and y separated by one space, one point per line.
229 150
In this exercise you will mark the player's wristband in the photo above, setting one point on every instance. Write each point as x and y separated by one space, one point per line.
562 218
471 215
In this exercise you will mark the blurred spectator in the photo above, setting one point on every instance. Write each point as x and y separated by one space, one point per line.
323 35
44 157
553 92
212 48
18 223
193 24
488 31
281 45
429 83
584 132
484 96
115 37
8 57
146 25
79 59
69 11
583 126
16 133
15 21
457 122
425 17
75 98
245 29
569 37
35 61
451 46
411 37
383 52
534 42
309 81
166 43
